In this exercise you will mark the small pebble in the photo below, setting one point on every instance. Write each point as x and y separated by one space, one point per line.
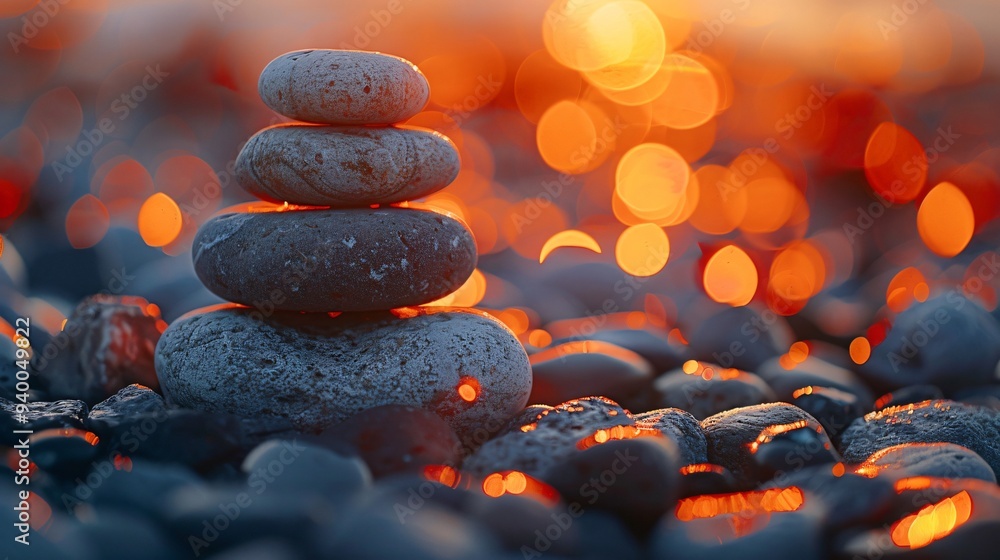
975 428
791 448
730 435
587 367
682 428
345 167
738 337
834 409
109 343
705 478
649 343
295 467
941 460
814 372
637 479
704 389
39 416
334 260
343 87
947 341
315 370
63 451
129 401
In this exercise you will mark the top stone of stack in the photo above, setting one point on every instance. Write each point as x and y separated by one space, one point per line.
343 87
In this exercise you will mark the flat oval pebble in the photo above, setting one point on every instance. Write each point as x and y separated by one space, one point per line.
334 260
940 460
345 167
316 370
816 372
589 367
948 341
790 448
731 433
343 87
975 428
835 409
710 389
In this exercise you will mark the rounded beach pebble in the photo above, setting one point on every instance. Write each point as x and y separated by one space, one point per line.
940 460
343 87
334 260
316 370
731 433
345 167
975 428
704 389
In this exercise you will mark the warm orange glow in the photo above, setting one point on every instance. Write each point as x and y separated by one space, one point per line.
637 29
730 276
642 250
798 272
469 294
676 337
568 238
653 181
692 96
860 350
895 163
708 371
539 338
945 220
770 432
519 483
468 389
515 319
798 352
566 137
701 468
933 522
87 222
612 434
443 474
771 203
722 202
838 470
773 500
576 36
907 286
541 82
493 485
160 220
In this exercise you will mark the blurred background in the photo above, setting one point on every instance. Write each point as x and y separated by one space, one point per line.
634 164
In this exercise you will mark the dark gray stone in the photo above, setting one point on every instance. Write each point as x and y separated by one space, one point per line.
941 460
710 390
316 370
681 427
587 367
345 167
334 260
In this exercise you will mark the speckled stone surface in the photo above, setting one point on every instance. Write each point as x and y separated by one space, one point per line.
343 87
551 438
730 433
316 370
680 426
334 260
943 460
975 428
345 167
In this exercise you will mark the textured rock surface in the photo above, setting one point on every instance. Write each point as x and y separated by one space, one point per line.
680 426
554 436
943 460
334 260
345 166
729 435
343 87
316 370
975 428
130 401
106 344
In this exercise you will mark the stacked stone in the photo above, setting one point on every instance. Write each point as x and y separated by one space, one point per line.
328 282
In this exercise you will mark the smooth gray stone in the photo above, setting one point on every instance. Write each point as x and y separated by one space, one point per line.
316 370
940 460
334 260
343 87
975 428
345 167
710 390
